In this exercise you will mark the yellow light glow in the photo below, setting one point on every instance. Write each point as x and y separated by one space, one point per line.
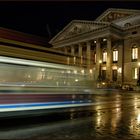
104 39
119 70
75 71
91 71
103 83
100 61
68 71
114 67
138 118
82 71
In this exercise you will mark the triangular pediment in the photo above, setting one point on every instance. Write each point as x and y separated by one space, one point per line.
77 27
113 14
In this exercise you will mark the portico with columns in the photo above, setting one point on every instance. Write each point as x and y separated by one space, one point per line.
96 45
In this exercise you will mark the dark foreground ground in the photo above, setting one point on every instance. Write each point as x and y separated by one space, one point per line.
115 116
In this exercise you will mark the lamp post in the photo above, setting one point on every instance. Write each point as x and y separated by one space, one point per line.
99 77
138 82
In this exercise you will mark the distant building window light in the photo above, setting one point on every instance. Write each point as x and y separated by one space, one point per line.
134 53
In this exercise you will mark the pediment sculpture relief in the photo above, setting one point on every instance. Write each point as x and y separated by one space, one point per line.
75 30
113 16
78 29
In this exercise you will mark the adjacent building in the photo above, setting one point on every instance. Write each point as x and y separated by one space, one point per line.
109 46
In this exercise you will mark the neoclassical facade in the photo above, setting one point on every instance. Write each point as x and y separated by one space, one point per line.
109 46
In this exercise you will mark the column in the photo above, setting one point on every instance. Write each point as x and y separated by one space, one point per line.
98 57
65 50
109 60
121 61
88 53
72 53
72 50
80 57
68 57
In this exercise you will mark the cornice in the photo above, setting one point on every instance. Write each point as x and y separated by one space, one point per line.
125 18
132 27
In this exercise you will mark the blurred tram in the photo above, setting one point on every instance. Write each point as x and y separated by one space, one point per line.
27 85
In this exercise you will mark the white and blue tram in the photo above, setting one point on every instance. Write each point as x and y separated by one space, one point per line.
27 85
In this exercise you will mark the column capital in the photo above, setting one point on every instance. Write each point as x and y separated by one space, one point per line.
80 44
72 45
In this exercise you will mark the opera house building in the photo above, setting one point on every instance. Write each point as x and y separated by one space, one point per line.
108 47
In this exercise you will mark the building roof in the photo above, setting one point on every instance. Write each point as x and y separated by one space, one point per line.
110 18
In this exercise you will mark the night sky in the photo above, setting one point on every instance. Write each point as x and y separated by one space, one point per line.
48 18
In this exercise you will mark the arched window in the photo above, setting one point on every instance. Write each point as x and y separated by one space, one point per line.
134 53
115 55
104 56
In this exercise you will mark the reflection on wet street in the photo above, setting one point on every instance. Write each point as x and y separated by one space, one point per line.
115 116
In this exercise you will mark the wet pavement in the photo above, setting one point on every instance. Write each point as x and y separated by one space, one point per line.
116 115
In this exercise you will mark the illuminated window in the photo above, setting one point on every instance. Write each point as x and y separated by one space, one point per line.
115 55
134 52
104 56
135 73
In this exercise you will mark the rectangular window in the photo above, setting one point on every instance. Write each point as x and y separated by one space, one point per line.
115 55
135 73
104 57
134 53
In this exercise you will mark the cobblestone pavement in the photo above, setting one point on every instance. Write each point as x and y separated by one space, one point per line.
117 117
